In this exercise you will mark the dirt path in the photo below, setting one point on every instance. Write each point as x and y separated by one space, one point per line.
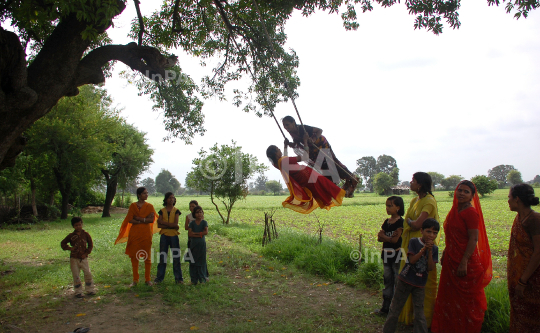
246 293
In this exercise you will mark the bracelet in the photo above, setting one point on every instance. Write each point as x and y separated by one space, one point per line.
521 283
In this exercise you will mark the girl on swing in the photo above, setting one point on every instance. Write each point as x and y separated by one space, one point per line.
318 142
307 187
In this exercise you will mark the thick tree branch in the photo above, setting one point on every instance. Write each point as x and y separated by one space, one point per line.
145 59
176 18
141 22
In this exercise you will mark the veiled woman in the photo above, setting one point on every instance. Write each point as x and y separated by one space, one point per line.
466 266
137 230
420 208
308 189
523 266
319 142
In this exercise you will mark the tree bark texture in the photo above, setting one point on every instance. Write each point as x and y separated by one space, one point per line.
112 184
29 93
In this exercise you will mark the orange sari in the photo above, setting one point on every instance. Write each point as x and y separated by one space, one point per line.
308 189
524 311
138 236
461 301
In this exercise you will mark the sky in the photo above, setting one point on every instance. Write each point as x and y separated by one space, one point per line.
459 103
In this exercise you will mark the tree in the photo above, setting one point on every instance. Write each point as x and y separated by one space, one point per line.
72 138
166 182
536 179
69 47
224 171
514 177
260 182
484 185
450 182
499 173
149 184
382 183
367 167
130 156
274 186
436 177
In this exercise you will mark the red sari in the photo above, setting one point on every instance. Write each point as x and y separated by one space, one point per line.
461 301
524 311
308 188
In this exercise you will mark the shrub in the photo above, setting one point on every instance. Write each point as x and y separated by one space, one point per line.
484 185
371 274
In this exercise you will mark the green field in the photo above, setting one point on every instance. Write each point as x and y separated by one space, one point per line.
246 279
364 215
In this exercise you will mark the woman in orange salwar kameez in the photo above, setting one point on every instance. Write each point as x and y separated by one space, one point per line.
308 189
466 266
523 268
137 229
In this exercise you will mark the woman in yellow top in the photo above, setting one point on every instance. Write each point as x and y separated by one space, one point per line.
422 207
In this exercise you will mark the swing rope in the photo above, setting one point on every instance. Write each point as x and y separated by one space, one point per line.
251 73
289 93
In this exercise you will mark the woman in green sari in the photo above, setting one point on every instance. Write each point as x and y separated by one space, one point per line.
198 228
422 207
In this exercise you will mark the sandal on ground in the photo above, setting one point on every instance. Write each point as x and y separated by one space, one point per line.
133 284
81 330
149 283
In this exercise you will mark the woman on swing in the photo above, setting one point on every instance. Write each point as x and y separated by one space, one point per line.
307 187
318 142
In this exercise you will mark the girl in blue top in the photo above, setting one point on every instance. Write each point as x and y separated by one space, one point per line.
198 228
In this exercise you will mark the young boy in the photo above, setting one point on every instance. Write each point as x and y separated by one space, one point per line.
421 258
81 247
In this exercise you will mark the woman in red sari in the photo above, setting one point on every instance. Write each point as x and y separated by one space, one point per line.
523 268
466 266
307 187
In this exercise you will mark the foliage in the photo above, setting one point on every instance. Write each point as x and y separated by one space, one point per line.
536 179
514 177
223 172
382 183
371 274
71 137
484 184
260 182
450 182
166 182
274 186
436 177
368 167
149 184
499 173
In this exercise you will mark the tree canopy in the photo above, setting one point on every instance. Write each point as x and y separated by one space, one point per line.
368 168
224 172
484 185
499 173
57 46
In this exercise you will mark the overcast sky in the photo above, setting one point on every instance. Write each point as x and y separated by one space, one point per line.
459 103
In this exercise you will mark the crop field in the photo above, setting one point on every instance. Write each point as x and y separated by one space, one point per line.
362 214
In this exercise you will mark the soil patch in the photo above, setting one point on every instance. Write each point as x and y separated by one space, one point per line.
99 209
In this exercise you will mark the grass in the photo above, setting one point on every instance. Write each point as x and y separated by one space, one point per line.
35 271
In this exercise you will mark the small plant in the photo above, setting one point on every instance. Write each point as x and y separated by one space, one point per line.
451 194
371 274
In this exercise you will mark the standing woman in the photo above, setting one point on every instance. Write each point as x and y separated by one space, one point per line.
466 266
421 207
198 228
137 230
523 272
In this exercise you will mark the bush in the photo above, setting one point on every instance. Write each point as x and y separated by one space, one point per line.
371 274
484 185
90 198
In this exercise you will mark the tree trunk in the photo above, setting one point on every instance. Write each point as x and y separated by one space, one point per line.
33 191
65 203
112 184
